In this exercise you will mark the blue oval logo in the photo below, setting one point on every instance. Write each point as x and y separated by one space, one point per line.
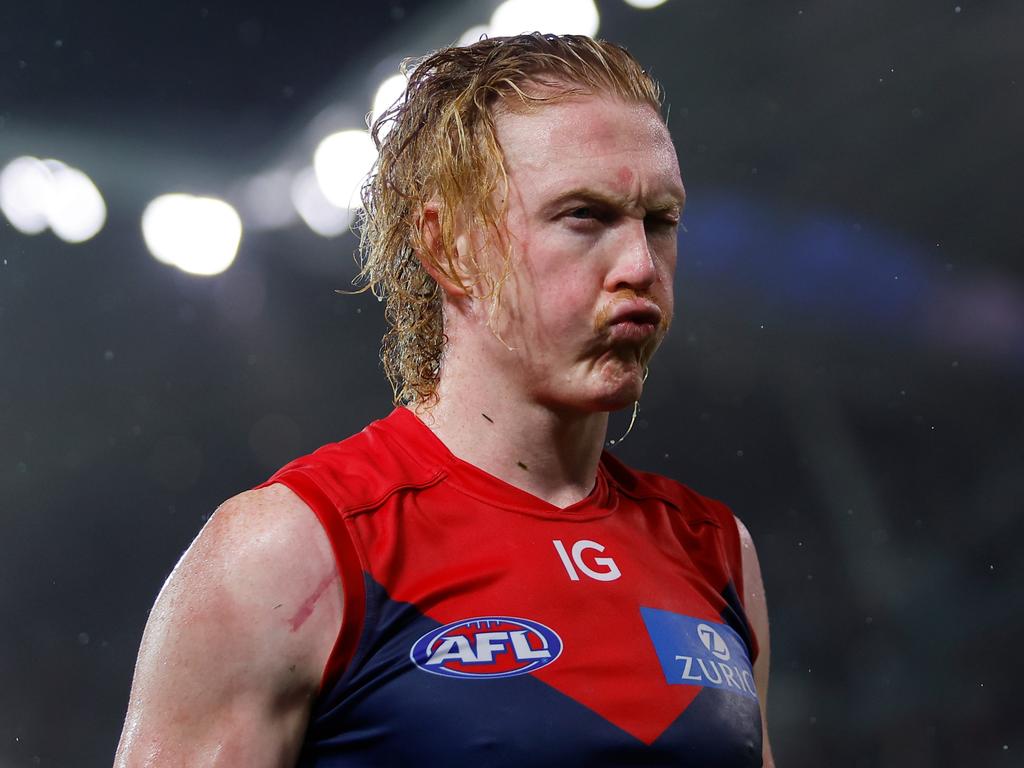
486 646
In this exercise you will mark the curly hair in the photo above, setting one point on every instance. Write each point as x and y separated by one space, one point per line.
438 143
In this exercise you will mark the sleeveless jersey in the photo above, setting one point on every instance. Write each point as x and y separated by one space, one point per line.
486 627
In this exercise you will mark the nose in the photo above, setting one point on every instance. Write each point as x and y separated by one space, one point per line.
634 266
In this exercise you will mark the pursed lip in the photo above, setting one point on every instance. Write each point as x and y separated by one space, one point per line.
637 311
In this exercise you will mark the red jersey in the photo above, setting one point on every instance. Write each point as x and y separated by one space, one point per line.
485 626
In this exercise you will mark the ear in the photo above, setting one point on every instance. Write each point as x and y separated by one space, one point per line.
444 267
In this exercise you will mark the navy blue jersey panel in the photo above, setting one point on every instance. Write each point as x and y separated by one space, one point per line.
386 711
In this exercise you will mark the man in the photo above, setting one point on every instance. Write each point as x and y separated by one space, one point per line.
472 581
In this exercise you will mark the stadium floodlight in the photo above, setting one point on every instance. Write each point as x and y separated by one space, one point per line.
566 17
342 162
198 235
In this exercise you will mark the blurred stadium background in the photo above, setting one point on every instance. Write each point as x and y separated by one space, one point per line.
845 371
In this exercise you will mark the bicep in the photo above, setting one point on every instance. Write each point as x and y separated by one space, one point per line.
225 675
757 614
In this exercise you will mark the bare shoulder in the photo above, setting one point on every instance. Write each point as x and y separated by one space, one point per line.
234 648
757 613
753 582
262 560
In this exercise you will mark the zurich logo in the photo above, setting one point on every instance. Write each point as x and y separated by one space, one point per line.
486 646
713 641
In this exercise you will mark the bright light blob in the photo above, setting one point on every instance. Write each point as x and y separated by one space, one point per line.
198 235
566 17
342 162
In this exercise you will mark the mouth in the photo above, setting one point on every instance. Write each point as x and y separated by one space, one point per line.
634 321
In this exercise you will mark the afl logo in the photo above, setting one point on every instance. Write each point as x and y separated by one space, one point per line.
486 646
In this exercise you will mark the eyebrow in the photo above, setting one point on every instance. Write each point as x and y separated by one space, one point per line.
669 202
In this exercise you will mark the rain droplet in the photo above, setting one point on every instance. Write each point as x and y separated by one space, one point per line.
108 355
83 638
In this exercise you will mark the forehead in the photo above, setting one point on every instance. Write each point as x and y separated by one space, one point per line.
593 139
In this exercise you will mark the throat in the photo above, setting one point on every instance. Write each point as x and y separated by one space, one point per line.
548 455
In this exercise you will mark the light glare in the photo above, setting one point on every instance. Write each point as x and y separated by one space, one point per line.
36 194
198 235
387 95
26 187
567 17
473 34
645 4
76 211
342 162
320 215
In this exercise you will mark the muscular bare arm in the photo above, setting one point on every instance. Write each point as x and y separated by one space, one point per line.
757 614
236 643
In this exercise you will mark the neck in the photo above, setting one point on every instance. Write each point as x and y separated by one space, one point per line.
552 454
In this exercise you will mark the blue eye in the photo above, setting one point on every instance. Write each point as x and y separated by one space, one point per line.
582 213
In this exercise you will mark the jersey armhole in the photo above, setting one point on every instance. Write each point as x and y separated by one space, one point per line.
347 562
734 563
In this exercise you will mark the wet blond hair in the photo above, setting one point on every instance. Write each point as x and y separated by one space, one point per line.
438 144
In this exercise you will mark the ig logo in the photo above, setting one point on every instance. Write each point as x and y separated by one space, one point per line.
610 571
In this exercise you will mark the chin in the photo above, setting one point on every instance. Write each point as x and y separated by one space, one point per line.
619 393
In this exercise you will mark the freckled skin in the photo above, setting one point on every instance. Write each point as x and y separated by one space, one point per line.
571 269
